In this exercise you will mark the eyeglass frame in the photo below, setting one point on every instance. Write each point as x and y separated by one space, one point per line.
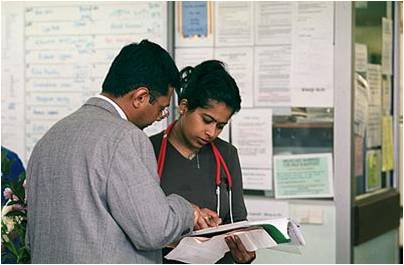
165 112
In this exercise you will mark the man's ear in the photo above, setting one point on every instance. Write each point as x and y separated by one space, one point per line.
183 106
139 97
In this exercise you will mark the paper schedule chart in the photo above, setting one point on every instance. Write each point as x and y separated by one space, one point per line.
56 56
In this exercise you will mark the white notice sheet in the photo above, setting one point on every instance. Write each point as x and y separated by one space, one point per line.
239 62
261 208
374 125
273 22
312 68
361 106
361 57
387 44
272 76
192 56
252 134
234 23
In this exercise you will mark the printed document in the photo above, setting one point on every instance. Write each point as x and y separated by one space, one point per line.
254 235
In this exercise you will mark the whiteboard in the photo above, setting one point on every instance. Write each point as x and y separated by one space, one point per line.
55 56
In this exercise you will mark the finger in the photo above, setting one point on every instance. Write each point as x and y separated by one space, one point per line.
233 249
212 222
239 244
209 212
246 255
202 223
213 218
197 215
231 244
196 226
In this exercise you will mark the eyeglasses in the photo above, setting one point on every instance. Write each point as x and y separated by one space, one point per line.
164 111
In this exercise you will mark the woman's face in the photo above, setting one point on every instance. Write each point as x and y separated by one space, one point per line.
202 125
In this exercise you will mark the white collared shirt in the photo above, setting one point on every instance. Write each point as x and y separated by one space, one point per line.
120 111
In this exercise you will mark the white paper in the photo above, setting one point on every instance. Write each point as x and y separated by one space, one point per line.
374 128
252 135
281 224
272 63
273 22
257 179
361 57
156 127
225 134
239 62
200 250
261 208
272 75
234 23
361 106
209 250
312 68
309 214
192 56
387 46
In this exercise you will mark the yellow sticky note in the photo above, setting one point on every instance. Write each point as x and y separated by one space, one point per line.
387 144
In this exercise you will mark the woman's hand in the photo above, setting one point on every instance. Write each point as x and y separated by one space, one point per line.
238 251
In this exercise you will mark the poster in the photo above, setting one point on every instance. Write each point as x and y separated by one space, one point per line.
303 176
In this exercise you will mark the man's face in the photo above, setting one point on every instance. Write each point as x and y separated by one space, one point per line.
156 109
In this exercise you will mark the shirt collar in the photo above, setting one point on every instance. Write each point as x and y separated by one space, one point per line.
120 111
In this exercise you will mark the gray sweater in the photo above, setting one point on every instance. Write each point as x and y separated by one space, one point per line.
94 194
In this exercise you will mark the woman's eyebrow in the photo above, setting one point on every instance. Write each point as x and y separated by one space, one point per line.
209 116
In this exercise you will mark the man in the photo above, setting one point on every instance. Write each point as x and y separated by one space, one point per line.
93 190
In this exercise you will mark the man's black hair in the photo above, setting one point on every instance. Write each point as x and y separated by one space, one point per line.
208 81
141 64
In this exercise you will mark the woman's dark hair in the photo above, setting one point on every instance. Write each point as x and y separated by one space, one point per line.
141 64
208 81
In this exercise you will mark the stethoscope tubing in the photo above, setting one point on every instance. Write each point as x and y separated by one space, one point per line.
219 162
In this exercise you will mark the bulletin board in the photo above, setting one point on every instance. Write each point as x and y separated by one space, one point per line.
55 56
268 49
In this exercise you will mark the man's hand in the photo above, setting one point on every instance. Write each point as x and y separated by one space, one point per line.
211 217
204 218
238 250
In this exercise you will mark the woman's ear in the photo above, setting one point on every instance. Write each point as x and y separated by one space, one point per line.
183 106
140 97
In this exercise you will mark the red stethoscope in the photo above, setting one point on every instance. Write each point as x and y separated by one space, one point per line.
219 163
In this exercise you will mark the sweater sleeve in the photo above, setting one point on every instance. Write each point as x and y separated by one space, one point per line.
137 203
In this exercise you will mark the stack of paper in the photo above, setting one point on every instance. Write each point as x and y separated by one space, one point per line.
208 245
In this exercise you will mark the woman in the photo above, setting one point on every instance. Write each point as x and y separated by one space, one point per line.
193 162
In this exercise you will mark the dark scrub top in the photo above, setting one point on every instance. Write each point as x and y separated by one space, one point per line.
195 180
